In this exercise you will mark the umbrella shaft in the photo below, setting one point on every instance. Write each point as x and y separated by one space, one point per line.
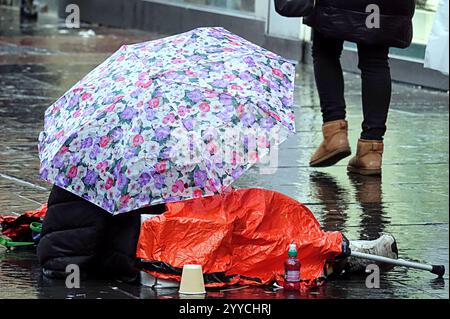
397 262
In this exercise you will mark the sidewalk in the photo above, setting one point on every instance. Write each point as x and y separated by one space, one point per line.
38 63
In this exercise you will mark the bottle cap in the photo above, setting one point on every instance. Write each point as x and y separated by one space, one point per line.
292 250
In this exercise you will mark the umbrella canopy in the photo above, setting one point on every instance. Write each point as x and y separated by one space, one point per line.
168 120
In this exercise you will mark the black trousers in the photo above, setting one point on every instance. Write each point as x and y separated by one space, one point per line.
376 83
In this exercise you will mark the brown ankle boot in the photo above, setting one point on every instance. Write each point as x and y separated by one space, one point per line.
335 145
368 159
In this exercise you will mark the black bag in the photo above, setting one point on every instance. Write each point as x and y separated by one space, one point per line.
294 8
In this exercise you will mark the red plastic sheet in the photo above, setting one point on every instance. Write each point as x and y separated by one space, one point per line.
244 234
17 226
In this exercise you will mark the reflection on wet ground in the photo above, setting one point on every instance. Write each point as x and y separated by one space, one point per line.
39 62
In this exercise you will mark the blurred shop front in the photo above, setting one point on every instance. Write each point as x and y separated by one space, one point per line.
257 21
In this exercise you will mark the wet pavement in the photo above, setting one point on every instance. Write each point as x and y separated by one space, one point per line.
39 62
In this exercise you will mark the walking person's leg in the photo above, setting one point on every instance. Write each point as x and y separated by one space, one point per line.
376 98
330 85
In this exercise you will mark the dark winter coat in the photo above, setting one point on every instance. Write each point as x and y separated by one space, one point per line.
346 20
76 231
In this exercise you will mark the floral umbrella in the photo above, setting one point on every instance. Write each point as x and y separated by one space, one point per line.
168 120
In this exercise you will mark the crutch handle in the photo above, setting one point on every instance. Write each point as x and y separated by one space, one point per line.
438 270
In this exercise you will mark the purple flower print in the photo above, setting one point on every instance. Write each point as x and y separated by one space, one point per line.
225 116
189 123
226 99
117 134
150 114
86 143
74 159
58 161
62 180
135 94
44 174
108 100
195 58
287 102
274 86
107 204
73 101
236 173
90 178
143 199
288 125
200 178
127 114
144 179
117 169
216 34
195 96
248 119
88 111
218 66
122 181
267 123
246 76
94 152
159 180
264 106
249 61
220 83
166 153
161 133
130 153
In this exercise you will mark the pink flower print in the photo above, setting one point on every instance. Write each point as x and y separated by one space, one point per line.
145 84
86 96
182 110
143 76
278 73
104 141
253 157
73 172
291 116
124 200
109 183
59 134
198 193
212 148
275 116
77 113
118 98
204 107
212 186
110 108
154 103
138 140
178 186
102 166
262 141
190 73
229 77
178 61
263 80
161 167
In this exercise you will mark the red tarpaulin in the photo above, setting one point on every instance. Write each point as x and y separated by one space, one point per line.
243 235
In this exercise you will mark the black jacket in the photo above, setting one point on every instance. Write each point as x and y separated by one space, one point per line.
76 231
346 20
